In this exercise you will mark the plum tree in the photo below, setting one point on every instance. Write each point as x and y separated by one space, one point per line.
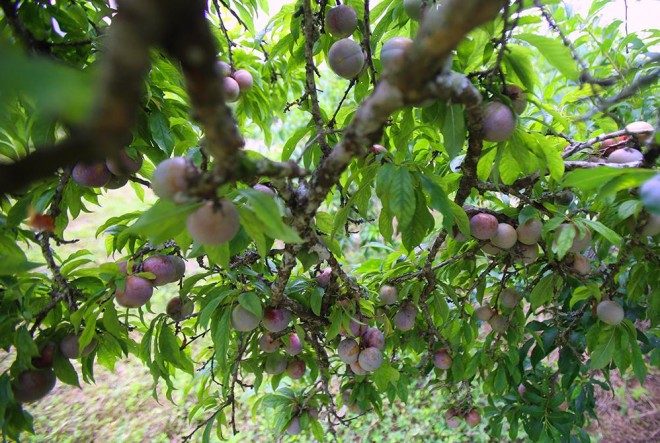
93 175
649 193
33 385
388 294
392 54
179 308
499 122
341 21
214 224
171 177
70 346
243 320
135 292
610 312
483 226
276 320
505 236
244 80
346 58
348 350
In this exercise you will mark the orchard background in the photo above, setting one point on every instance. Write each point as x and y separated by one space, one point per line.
381 220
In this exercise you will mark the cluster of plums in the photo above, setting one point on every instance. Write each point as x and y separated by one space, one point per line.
345 56
453 416
137 290
404 318
34 384
618 149
113 173
213 223
234 83
362 349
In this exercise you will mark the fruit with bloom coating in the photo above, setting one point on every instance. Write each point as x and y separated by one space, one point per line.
275 364
499 122
388 294
136 292
374 338
483 226
276 320
93 175
265 189
473 418
642 130
357 369
505 236
346 58
529 233
244 80
453 420
231 89
296 368
392 54
348 350
404 319
116 182
610 312
483 313
509 298
527 254
269 344
517 96
498 322
124 164
171 178
178 309
625 155
370 359
294 427
323 279
33 385
442 360
46 355
413 9
213 225
224 68
243 320
295 346
70 347
649 193
341 21
581 265
163 267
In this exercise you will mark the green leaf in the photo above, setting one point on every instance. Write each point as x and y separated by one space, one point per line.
453 130
251 302
64 370
218 254
555 52
160 131
268 213
544 291
315 300
170 351
603 230
163 221
602 353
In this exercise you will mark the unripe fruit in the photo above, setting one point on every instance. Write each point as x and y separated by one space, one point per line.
346 58
579 244
276 320
244 80
388 294
295 346
581 265
170 178
243 320
498 322
638 129
269 344
499 122
509 298
92 175
413 9
517 96
296 368
123 164
392 54
473 418
323 279
404 319
505 236
265 189
137 292
529 233
178 309
610 312
214 225
163 269
483 313
275 364
341 21
370 359
373 338
231 89
490 249
652 226
294 427
527 253
442 360
116 182
483 226
348 351
33 385
625 155
357 369
70 347
46 356
649 193
224 68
